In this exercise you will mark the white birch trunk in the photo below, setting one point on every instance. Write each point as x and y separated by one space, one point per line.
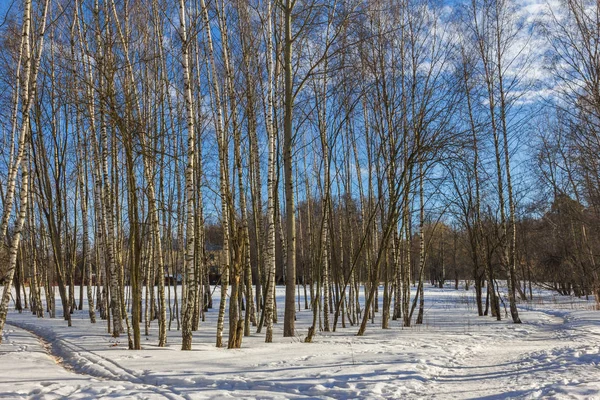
270 257
14 245
190 296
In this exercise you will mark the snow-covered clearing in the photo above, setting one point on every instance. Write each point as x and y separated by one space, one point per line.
555 353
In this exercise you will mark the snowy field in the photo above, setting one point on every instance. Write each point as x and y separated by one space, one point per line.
555 353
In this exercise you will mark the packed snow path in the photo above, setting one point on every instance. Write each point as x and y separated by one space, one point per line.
554 354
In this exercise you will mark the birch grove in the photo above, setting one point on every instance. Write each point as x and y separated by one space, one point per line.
160 156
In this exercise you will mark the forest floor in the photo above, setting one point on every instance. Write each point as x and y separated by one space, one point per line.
455 354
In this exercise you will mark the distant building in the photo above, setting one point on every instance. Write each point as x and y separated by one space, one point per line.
215 260
173 279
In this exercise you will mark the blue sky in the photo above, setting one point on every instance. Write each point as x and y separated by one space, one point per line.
6 5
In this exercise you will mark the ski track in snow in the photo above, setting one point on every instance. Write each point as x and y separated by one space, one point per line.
77 360
41 373
555 354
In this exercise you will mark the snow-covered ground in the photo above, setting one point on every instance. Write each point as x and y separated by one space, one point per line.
555 353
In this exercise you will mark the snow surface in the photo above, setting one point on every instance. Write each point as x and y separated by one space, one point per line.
455 354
